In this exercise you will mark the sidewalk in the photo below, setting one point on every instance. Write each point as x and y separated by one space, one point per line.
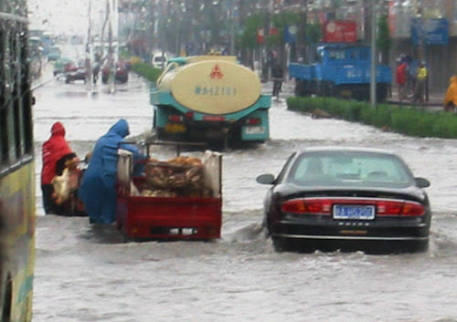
46 76
434 103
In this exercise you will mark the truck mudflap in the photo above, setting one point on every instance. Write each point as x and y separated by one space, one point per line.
146 217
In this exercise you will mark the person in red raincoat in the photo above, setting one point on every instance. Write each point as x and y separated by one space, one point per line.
400 77
55 153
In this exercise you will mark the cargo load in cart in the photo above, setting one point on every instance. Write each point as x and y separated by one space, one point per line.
178 199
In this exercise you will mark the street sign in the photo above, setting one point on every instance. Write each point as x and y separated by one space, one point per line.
431 31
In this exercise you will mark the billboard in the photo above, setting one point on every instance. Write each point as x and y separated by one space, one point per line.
340 31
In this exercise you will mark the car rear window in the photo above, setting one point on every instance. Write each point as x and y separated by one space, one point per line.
338 168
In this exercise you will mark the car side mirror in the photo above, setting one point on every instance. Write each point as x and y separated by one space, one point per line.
266 178
422 182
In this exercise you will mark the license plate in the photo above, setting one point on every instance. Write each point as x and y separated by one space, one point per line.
353 212
254 129
175 128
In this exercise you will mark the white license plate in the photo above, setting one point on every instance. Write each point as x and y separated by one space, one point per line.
254 129
353 212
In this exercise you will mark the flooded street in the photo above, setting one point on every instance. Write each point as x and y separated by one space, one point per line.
89 275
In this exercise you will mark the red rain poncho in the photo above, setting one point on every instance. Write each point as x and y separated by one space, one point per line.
53 149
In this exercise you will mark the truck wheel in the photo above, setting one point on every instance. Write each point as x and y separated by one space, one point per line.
330 89
299 88
381 93
280 244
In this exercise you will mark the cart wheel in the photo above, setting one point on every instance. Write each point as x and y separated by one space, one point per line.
125 238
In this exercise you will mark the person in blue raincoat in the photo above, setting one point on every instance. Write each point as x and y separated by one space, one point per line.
98 187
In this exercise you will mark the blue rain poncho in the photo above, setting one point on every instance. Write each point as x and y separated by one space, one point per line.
98 187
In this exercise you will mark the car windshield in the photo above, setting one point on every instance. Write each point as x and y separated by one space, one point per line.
350 168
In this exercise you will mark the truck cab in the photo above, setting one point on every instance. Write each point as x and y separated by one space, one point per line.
340 70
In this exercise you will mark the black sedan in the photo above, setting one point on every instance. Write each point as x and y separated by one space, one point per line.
345 198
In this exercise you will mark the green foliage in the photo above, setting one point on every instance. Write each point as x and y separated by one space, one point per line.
248 38
280 21
405 120
383 42
313 33
146 71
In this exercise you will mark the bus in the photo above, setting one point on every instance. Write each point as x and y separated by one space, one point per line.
17 170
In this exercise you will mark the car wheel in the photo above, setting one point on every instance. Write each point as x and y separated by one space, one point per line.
420 246
280 244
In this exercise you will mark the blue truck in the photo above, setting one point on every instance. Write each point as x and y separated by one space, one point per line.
340 70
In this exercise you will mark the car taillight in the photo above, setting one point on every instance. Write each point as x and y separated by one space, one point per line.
175 118
323 206
253 121
307 206
399 208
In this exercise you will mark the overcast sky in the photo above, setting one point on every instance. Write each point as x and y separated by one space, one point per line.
61 16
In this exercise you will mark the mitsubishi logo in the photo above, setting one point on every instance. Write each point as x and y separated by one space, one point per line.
216 72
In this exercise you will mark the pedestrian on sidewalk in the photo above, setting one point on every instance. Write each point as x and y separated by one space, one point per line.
400 77
411 71
421 79
450 100
278 77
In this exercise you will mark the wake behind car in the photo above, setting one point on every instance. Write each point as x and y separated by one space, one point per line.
345 198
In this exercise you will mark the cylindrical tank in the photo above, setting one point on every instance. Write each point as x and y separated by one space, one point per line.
211 84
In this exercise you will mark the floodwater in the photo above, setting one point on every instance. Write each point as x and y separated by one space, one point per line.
87 274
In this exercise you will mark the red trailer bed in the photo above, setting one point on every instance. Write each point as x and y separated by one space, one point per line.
168 218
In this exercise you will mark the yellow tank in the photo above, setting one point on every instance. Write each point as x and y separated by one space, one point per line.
211 84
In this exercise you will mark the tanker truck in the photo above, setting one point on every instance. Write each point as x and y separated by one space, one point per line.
211 99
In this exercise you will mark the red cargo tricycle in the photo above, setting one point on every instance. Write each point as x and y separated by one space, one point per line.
145 215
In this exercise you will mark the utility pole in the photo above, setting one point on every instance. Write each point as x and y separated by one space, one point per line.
421 32
232 27
89 52
300 43
113 42
373 57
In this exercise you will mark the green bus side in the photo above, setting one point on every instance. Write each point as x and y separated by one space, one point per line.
17 170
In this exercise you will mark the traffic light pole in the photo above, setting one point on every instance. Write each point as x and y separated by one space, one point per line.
373 57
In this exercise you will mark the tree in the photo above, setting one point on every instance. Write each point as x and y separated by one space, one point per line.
383 41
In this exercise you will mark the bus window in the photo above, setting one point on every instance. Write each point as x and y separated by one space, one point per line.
3 136
2 61
3 124
18 126
26 95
